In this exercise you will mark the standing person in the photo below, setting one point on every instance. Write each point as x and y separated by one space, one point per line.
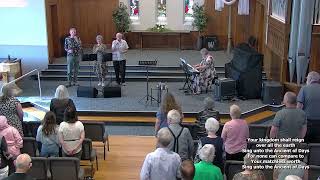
235 134
71 134
100 66
207 72
309 100
72 45
182 142
168 103
60 102
162 163
47 134
289 122
205 169
11 108
119 47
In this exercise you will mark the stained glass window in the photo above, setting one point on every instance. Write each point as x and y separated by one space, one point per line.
188 12
162 10
134 9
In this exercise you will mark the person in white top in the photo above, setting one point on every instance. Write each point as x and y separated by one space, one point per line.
119 48
71 134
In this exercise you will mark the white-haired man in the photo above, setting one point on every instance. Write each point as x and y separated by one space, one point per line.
309 100
182 142
235 134
289 122
205 169
119 47
162 163
23 164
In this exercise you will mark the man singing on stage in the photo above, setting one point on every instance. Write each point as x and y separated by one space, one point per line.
119 47
72 45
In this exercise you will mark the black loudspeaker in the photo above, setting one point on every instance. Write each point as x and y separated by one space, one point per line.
272 92
84 91
224 89
111 91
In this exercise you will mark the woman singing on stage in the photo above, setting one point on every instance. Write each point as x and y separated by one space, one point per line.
100 65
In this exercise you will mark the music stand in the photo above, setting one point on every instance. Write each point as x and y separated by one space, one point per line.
89 57
106 58
147 64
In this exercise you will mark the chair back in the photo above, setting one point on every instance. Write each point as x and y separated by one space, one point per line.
94 130
314 172
232 168
29 146
258 131
314 158
64 168
86 149
39 168
30 128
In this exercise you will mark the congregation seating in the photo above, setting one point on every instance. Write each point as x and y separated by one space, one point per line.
314 172
258 131
96 132
89 154
65 168
232 168
314 153
30 146
39 169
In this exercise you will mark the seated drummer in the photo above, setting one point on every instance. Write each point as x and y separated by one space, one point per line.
207 72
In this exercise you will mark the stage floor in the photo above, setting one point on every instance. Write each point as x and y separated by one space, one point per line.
131 94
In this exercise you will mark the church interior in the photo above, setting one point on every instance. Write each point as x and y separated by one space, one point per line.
261 53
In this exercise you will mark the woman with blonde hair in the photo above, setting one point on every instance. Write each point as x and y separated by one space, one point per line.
168 103
60 102
100 66
11 108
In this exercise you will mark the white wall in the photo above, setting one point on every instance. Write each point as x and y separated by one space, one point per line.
147 16
23 34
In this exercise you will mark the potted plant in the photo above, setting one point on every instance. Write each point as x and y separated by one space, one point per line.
200 21
121 18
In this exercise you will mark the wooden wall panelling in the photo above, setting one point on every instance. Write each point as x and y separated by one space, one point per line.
315 53
94 17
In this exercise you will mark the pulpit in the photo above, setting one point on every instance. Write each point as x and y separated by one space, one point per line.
9 70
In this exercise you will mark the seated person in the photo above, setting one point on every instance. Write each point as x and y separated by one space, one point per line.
249 172
205 169
212 126
235 134
47 134
182 142
162 163
207 72
207 112
71 134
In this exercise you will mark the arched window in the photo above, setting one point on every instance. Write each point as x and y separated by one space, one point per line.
162 11
188 12
134 9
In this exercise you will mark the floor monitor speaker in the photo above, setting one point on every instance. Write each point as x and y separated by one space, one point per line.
84 91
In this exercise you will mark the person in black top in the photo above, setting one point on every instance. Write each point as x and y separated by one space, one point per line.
23 164
60 103
4 158
207 112
212 126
